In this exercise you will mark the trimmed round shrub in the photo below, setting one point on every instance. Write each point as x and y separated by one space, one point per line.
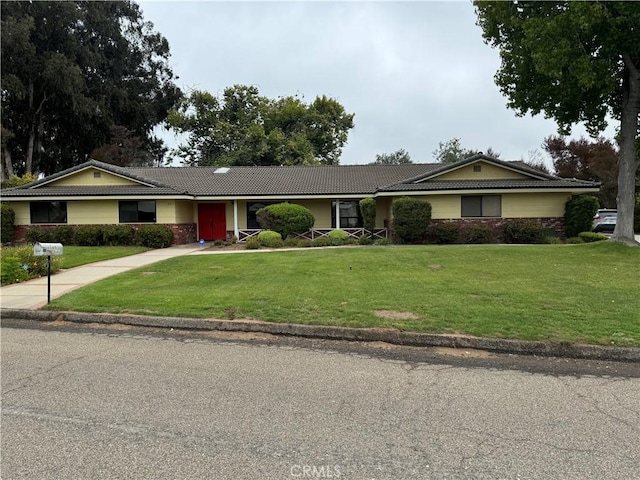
589 237
88 235
285 218
252 244
411 218
523 231
578 214
8 219
64 234
154 236
39 234
478 234
118 234
338 237
446 233
271 239
368 212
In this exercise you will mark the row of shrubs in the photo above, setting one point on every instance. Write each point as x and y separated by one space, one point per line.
271 239
150 236
515 231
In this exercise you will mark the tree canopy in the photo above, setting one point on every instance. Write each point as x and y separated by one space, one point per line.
576 62
587 160
241 127
75 74
452 151
398 157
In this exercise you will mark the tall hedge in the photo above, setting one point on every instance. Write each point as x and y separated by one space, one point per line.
578 214
8 222
368 212
285 218
411 218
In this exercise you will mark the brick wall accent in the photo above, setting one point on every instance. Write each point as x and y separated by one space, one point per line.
555 225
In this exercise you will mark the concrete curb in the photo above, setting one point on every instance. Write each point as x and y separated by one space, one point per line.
396 337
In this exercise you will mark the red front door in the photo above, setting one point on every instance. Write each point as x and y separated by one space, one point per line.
212 221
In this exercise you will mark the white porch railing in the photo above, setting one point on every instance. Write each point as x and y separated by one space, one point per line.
244 235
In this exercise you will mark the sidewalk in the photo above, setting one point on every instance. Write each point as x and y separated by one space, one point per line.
33 294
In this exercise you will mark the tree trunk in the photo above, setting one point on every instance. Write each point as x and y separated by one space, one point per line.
628 164
8 163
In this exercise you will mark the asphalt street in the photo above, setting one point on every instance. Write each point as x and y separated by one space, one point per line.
115 402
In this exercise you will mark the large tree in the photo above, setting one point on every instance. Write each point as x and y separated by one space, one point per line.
576 62
587 160
241 127
74 75
452 151
399 157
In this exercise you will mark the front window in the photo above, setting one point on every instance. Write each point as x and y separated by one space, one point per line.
48 212
143 211
349 215
252 209
482 206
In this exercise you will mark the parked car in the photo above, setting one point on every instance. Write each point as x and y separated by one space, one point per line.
607 224
601 215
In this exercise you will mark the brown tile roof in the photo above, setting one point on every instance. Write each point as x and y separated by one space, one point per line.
288 181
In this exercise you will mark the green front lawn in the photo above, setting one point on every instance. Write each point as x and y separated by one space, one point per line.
76 256
576 293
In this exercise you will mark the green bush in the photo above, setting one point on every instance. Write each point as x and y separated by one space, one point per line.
118 235
285 218
304 243
338 237
589 237
292 242
252 244
523 231
579 213
39 235
574 240
270 239
551 240
64 234
154 236
368 212
479 234
381 241
446 233
8 220
31 265
12 271
88 235
365 240
322 242
411 218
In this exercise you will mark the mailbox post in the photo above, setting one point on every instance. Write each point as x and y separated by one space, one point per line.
48 249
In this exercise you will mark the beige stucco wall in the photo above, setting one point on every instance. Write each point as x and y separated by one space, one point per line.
92 212
487 172
532 205
23 214
86 177
185 211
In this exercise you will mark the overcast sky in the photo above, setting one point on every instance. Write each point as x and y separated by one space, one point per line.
414 73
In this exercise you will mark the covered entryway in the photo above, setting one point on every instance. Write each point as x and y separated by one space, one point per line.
212 221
